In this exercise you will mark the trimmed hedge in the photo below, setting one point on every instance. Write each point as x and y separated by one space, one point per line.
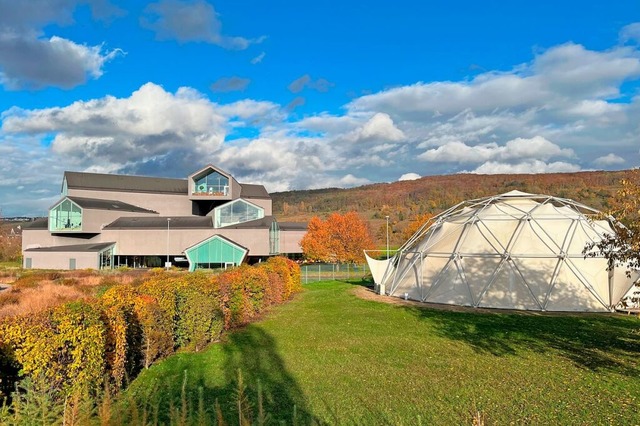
76 346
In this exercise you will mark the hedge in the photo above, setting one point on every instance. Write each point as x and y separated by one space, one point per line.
75 347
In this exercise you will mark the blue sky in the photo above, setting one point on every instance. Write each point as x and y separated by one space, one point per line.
313 95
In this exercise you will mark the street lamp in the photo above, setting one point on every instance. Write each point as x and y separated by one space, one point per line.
167 264
387 217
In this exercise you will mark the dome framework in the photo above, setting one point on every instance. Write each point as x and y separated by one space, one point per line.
510 251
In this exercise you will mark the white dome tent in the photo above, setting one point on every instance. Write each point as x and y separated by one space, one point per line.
510 251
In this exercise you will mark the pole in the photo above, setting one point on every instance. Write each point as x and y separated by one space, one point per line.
168 222
387 217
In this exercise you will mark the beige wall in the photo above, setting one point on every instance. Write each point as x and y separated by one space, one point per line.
290 241
34 238
60 260
147 242
95 220
164 204
265 204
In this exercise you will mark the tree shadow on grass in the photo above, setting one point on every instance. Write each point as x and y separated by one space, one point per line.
254 352
591 341
189 381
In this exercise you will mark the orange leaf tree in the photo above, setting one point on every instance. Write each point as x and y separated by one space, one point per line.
414 225
340 238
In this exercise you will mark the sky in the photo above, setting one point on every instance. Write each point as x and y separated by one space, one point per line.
317 95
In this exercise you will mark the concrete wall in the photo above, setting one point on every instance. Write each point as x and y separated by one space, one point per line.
33 238
164 204
95 220
60 260
265 204
148 242
290 241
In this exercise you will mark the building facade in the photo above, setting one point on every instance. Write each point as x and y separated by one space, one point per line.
208 220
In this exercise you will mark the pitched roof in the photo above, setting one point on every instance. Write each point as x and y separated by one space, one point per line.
154 222
293 226
100 204
107 182
263 223
93 247
254 191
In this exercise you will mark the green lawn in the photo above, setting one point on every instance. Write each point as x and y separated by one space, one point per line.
340 359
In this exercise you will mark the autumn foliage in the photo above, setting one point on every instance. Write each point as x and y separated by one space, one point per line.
623 248
74 347
340 238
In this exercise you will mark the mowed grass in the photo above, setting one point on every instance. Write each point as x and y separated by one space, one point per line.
341 359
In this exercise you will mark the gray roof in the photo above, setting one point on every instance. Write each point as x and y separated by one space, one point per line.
39 223
293 226
100 204
176 222
94 247
107 182
254 191
265 222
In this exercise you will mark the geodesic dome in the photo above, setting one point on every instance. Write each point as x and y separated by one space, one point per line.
510 251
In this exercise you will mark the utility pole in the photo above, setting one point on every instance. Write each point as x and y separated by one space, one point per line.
387 217
167 264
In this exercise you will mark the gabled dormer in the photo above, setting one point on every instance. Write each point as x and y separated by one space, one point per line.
212 183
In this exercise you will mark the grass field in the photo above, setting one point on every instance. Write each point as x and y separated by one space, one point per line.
341 359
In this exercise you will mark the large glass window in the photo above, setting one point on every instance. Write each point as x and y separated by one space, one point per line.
66 216
237 211
214 253
212 184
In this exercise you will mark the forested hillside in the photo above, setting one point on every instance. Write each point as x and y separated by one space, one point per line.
402 201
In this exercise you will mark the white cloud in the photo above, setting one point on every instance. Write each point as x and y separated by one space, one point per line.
409 176
114 132
514 150
526 167
380 127
608 160
190 21
257 59
351 180
630 32
30 60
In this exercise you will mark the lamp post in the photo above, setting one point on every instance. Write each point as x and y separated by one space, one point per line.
387 217
167 265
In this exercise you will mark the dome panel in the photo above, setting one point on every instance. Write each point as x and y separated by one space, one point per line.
570 294
508 291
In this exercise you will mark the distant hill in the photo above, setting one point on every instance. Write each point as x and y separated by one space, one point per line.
402 201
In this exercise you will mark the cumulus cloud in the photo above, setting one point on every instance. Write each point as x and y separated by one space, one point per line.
550 82
28 59
190 21
409 176
525 167
114 132
378 128
230 84
299 84
608 160
514 150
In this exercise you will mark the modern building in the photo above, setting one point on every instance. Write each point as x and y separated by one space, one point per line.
208 220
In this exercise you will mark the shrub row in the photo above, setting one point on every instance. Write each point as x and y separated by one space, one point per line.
76 346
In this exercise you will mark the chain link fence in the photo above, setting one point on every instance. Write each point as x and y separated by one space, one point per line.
315 272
